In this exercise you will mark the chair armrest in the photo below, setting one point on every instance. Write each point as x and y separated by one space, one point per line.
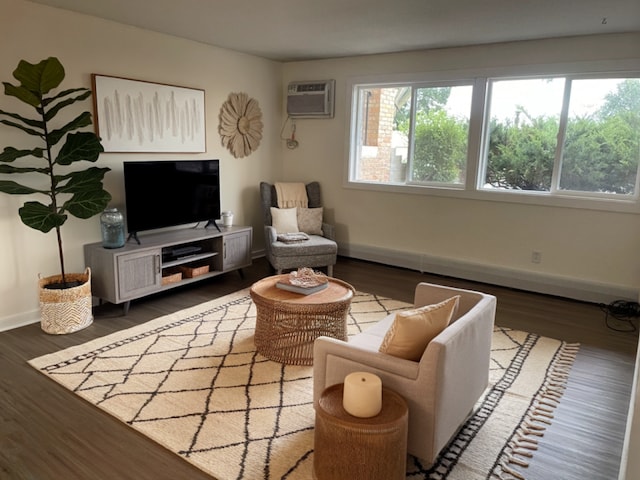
270 234
328 231
346 358
459 358
463 350
398 366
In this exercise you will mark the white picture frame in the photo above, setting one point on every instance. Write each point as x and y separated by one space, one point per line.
145 117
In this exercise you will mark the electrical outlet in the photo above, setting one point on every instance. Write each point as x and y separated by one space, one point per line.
536 257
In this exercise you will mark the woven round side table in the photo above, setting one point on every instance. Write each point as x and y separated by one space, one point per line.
348 447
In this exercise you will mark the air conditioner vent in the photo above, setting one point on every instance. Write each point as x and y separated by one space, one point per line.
312 99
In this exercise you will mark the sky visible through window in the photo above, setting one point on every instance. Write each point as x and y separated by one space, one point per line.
538 97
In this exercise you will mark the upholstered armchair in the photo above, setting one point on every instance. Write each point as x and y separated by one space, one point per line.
319 250
440 388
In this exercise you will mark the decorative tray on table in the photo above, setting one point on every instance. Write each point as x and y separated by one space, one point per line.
304 281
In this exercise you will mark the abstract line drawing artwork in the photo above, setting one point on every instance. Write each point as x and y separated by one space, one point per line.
140 116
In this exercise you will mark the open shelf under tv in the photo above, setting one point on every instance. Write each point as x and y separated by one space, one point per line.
136 270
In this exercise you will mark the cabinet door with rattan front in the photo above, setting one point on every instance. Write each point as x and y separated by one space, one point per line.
236 250
138 274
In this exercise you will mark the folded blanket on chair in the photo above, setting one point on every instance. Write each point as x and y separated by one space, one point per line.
292 237
291 195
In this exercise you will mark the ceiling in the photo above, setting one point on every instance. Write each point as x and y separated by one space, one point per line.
291 30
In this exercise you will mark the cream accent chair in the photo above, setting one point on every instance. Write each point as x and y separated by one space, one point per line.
442 388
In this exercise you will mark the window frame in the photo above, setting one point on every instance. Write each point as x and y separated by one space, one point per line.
554 187
411 151
478 121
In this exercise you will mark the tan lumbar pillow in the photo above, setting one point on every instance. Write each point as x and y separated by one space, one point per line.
412 330
310 220
284 220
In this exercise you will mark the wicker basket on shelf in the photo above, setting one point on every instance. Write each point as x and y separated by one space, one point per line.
194 270
171 275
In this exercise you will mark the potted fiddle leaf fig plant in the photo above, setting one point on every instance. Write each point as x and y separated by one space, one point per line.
47 171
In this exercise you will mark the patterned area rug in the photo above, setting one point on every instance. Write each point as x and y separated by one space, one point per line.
193 382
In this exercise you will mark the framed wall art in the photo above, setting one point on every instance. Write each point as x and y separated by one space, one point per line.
140 116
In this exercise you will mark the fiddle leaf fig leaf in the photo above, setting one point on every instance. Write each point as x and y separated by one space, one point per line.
10 154
21 93
27 121
82 181
82 120
87 203
80 146
40 78
6 169
52 112
40 217
30 131
13 188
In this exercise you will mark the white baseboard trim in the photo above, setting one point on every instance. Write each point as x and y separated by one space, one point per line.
567 287
574 288
19 320
27 318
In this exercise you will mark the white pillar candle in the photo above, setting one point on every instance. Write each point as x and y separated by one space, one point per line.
362 395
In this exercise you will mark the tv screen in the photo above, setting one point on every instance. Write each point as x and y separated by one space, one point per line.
168 193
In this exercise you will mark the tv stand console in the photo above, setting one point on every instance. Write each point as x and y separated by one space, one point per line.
165 260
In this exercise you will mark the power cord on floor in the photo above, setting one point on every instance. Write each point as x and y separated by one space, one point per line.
623 311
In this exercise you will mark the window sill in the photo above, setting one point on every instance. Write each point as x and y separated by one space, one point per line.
627 205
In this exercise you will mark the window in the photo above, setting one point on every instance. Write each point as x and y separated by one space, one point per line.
408 134
601 149
563 135
522 133
555 137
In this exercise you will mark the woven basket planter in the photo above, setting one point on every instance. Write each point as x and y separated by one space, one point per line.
65 310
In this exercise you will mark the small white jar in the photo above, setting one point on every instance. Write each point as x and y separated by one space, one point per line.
227 219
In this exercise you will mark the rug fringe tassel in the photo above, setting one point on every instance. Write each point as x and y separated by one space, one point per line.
517 461
543 413
523 453
537 418
511 472
541 418
540 407
529 444
528 431
533 426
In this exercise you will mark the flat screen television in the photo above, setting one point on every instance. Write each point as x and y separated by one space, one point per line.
169 193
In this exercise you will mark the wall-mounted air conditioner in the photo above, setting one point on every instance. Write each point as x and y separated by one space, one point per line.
311 99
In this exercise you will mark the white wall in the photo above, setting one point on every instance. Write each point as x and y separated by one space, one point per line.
592 249
88 45
586 254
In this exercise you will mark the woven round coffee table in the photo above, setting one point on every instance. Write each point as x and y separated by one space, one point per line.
288 323
348 447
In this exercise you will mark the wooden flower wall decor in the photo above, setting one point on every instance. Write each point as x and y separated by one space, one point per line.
240 124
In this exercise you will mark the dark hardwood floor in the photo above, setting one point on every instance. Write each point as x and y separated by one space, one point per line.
47 432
